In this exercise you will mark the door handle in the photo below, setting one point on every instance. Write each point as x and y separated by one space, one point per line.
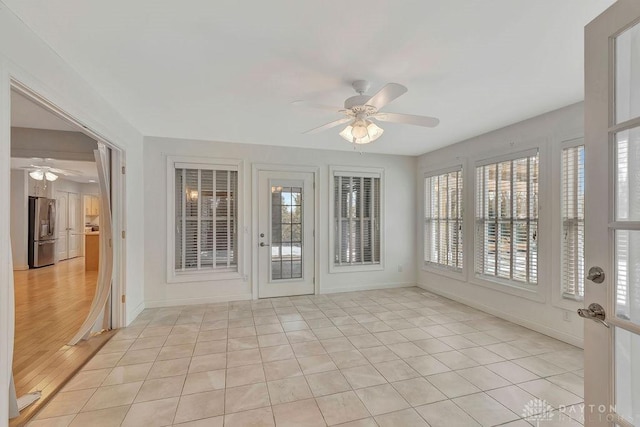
262 244
594 312
596 274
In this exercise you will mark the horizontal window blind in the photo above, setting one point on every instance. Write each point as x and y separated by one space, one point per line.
573 222
507 220
356 220
443 220
206 220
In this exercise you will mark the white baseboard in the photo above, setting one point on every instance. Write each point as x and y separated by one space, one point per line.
553 333
365 287
20 267
134 313
195 301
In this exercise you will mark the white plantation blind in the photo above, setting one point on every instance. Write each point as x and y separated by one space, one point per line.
573 222
443 219
356 219
206 219
507 220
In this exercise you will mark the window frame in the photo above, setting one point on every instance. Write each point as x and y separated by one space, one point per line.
353 171
181 162
527 290
437 267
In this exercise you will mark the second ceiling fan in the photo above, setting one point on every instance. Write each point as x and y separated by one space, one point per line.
361 110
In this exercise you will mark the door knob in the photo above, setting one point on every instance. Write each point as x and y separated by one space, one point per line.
596 274
263 244
594 312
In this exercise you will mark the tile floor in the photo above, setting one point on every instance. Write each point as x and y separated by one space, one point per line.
400 357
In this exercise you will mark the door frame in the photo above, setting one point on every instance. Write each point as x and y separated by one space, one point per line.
256 168
599 344
118 202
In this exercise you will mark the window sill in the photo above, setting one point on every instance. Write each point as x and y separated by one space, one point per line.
453 273
334 269
203 276
530 292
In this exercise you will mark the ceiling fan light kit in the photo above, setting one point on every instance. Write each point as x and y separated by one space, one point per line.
361 108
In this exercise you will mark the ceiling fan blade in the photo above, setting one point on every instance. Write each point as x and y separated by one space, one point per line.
66 172
315 106
408 119
328 125
387 94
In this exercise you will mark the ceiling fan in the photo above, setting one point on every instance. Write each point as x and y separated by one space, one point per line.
41 169
361 110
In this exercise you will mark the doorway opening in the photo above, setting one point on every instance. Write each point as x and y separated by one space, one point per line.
62 188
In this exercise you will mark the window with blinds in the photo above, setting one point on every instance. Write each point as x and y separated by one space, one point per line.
507 220
356 220
443 219
573 222
206 219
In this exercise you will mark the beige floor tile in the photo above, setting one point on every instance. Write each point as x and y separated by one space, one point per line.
201 405
127 374
113 395
262 417
205 422
396 370
66 403
110 417
169 368
288 390
304 335
62 421
134 357
160 388
427 365
325 383
247 397
390 337
295 326
298 414
364 341
365 422
507 351
315 364
418 391
269 329
210 347
272 340
485 409
554 395
381 399
512 372
152 414
455 360
446 414
433 346
569 381
378 354
363 376
243 357
179 339
281 352
481 355
117 346
246 331
483 378
212 335
334 345
102 361
348 359
452 384
199 382
404 418
244 375
244 343
328 332
309 348
209 362
87 379
282 369
175 352
539 366
406 349
342 407
512 397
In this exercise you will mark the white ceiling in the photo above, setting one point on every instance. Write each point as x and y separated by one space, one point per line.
228 70
27 114
82 172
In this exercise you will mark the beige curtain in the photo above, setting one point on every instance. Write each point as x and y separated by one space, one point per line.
99 316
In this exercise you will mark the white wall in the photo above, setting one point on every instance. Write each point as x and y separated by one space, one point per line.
543 310
399 235
26 58
19 219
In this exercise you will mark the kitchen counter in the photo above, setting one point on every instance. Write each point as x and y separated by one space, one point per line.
91 250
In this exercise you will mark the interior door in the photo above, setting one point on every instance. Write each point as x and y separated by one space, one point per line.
286 212
76 225
62 244
612 201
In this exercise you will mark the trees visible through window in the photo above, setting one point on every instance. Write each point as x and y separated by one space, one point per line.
573 222
507 220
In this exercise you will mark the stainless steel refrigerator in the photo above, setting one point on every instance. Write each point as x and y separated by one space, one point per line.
42 231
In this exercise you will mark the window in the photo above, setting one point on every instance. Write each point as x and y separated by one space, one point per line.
205 218
573 222
443 219
507 220
356 215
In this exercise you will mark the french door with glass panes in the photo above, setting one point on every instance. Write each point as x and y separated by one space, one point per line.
612 227
286 248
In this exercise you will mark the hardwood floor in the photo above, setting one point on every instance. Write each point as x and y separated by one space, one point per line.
51 304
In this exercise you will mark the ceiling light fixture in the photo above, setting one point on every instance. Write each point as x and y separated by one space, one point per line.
362 131
39 175
50 176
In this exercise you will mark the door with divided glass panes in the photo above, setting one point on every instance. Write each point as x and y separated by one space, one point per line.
286 209
612 227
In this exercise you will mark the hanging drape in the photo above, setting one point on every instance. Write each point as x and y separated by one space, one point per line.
99 316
